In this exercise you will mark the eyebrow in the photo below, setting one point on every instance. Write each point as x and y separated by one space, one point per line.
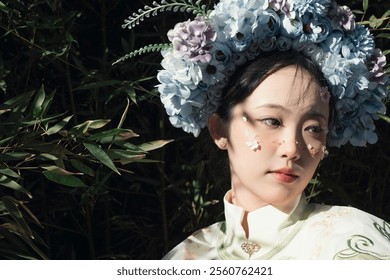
272 106
313 114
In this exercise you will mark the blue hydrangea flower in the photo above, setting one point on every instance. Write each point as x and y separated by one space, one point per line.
332 43
213 72
186 72
253 51
340 133
335 72
268 25
222 53
283 43
188 124
357 80
317 8
359 43
268 44
290 26
236 20
205 53
315 29
172 93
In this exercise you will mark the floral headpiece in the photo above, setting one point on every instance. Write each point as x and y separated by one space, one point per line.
204 53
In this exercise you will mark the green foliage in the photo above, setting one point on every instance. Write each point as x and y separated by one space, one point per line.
187 6
82 175
149 48
63 141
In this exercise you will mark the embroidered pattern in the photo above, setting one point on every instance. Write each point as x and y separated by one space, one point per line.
384 230
358 250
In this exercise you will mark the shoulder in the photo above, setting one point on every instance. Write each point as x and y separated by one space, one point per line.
346 214
362 234
199 245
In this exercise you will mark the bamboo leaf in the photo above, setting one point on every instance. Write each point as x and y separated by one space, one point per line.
38 102
66 180
149 146
57 127
140 159
116 134
384 117
123 154
18 103
100 155
9 183
59 170
9 172
14 156
82 167
89 125
11 206
365 5
384 35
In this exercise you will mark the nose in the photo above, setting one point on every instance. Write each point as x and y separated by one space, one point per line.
289 148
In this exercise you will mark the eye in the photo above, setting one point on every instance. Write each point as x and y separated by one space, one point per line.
271 122
316 129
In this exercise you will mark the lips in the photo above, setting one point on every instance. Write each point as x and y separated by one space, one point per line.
284 175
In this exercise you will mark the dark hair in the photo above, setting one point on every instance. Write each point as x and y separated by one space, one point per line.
249 76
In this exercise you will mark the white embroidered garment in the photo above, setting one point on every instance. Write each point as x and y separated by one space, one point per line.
310 231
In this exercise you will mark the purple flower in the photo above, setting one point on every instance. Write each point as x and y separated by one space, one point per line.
342 16
281 5
377 63
192 39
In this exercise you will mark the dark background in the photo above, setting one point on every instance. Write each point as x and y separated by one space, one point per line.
63 45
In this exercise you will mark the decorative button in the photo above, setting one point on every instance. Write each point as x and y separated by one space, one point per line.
250 248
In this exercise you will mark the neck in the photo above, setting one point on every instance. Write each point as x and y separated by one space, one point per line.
249 204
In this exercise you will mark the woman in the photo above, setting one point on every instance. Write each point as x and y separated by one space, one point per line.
274 128
276 82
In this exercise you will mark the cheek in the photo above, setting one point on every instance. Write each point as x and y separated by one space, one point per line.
310 164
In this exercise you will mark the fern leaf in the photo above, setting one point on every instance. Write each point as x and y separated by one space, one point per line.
146 49
166 5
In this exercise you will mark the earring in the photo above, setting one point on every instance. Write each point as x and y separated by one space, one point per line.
222 144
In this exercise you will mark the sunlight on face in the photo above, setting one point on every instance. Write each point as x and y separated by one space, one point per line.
285 120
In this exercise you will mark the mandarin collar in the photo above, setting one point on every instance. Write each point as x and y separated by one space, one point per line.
267 225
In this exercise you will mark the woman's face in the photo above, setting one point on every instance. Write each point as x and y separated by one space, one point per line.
276 139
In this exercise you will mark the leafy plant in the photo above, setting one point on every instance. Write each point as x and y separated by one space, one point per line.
188 6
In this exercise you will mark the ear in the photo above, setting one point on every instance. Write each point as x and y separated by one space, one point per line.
217 131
